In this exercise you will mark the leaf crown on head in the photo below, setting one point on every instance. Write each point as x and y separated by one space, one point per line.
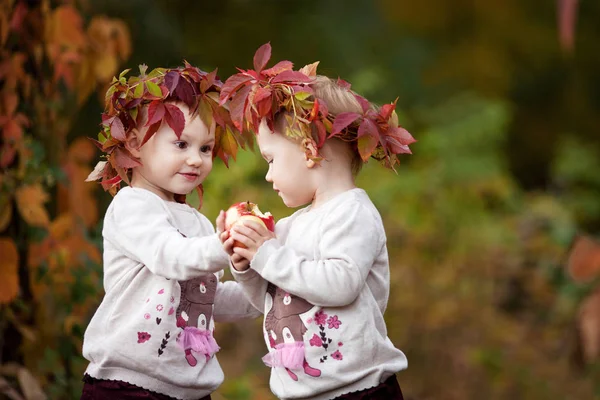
157 91
267 93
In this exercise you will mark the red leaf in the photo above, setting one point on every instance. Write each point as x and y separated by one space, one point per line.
220 114
264 108
171 80
231 85
97 143
323 108
117 130
208 81
342 120
368 127
567 19
397 140
387 110
364 103
314 111
175 119
402 135
261 94
321 132
108 183
185 92
250 73
238 105
292 76
262 56
279 68
151 131
343 84
124 159
156 112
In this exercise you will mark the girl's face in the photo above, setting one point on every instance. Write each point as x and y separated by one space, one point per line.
175 166
288 171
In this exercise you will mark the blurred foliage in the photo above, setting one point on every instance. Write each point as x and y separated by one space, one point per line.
479 220
50 64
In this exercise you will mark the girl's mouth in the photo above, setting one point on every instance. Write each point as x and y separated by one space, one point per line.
189 176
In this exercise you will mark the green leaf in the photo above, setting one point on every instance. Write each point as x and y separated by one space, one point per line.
139 91
302 95
122 74
153 89
156 72
134 113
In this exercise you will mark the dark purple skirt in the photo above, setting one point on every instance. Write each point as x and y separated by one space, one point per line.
388 390
102 389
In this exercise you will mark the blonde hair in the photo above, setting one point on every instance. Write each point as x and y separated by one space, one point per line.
339 100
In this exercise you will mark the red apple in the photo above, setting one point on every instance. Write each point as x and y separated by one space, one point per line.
247 211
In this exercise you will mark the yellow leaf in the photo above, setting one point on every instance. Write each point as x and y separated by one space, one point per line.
86 81
30 203
9 264
228 143
65 27
105 67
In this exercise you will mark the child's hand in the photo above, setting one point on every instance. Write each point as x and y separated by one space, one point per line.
221 226
239 263
223 234
252 235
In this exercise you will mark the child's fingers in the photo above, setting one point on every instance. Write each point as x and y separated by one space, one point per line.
228 246
245 253
236 258
221 221
256 227
245 231
242 238
224 236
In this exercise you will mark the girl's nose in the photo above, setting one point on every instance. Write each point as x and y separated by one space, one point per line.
194 160
268 176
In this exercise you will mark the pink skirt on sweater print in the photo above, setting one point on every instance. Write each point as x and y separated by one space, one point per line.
198 340
287 355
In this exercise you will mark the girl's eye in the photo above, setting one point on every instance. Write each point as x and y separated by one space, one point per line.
206 149
270 161
181 144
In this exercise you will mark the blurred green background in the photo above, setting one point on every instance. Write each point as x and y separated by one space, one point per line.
480 219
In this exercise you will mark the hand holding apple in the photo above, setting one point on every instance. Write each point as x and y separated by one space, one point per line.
247 211
248 228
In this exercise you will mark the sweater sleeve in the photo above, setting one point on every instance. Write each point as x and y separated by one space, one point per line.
139 226
349 240
254 286
231 303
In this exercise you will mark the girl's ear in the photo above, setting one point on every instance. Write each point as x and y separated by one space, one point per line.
133 142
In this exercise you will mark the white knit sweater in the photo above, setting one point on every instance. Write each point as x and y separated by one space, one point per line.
329 276
162 264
